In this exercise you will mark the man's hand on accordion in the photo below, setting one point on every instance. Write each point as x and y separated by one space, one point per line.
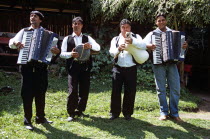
74 54
87 46
185 45
55 50
151 47
19 45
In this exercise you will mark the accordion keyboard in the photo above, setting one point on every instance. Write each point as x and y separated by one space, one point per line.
157 52
23 54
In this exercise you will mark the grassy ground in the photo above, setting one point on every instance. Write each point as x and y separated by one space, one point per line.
143 125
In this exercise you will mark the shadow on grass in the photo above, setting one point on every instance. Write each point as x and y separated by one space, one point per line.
198 131
54 133
10 99
139 129
10 103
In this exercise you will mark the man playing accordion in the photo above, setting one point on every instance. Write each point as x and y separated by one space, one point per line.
34 73
165 72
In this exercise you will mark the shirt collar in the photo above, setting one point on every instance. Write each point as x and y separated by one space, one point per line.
167 29
31 28
74 34
122 35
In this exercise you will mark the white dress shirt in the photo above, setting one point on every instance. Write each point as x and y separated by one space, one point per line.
125 59
148 38
78 41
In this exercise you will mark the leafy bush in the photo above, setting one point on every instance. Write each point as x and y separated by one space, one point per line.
145 77
102 61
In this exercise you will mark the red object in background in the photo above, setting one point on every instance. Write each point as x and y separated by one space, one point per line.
187 68
4 40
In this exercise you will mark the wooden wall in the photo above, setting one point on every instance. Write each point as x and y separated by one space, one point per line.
13 21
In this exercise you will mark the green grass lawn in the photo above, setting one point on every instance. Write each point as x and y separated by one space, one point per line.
145 123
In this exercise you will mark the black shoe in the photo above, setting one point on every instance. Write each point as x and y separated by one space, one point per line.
81 114
29 127
127 117
113 117
43 121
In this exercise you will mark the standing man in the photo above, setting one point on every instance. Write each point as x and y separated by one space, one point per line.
124 71
78 71
166 72
34 74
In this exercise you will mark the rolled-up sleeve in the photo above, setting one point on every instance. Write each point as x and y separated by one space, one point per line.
64 54
95 45
148 38
18 38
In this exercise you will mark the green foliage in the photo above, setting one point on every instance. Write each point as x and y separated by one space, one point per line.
145 77
194 12
102 61
185 101
107 8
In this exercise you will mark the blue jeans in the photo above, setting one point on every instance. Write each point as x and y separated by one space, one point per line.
167 73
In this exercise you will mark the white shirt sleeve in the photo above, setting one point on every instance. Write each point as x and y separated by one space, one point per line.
148 38
95 45
138 42
113 49
18 38
64 54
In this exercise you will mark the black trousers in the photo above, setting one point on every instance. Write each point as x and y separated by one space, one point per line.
34 85
78 87
128 78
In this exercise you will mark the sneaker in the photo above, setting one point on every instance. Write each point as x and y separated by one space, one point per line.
29 127
70 119
43 121
163 117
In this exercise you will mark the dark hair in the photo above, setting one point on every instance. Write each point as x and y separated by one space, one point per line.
125 21
78 18
41 16
163 15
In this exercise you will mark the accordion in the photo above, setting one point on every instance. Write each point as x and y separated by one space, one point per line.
38 48
168 47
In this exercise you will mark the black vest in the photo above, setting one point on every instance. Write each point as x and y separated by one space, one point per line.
70 46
